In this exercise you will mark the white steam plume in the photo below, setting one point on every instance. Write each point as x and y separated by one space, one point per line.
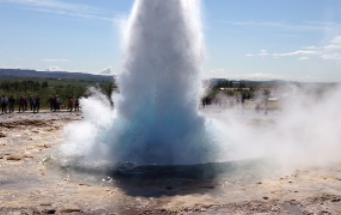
157 110
305 132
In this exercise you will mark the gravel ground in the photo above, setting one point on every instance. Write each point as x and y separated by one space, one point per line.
29 186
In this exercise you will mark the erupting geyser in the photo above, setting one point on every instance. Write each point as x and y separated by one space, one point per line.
157 119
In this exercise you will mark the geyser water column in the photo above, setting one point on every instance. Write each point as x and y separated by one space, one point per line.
158 120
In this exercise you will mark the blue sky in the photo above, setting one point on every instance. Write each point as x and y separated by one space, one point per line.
249 39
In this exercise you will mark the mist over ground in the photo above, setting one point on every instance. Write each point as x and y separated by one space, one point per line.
304 132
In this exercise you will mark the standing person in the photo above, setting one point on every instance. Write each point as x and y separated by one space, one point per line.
58 102
11 102
31 102
51 103
21 104
77 105
25 103
4 102
54 103
70 104
37 103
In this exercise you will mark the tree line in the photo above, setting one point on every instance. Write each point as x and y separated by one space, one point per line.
46 88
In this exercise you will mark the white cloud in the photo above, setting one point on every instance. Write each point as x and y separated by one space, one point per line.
296 53
333 56
63 8
331 51
54 69
263 52
107 71
260 76
218 73
305 26
312 47
303 58
337 40
222 73
55 60
332 47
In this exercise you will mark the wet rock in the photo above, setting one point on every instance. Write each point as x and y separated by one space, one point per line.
71 210
207 186
35 211
44 146
207 206
18 157
293 202
15 157
336 199
46 204
196 209
49 211
169 188
125 166
2 135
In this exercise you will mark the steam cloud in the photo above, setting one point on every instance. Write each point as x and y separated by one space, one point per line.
305 132
156 118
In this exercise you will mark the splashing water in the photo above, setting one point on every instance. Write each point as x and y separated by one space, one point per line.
157 120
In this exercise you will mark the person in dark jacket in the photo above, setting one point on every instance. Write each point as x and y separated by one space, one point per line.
21 104
31 102
4 103
37 104
11 102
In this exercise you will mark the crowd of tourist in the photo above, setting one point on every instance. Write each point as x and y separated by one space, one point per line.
33 103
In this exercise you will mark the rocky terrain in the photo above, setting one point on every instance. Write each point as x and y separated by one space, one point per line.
29 186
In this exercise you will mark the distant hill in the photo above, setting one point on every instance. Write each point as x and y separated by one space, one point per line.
21 74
